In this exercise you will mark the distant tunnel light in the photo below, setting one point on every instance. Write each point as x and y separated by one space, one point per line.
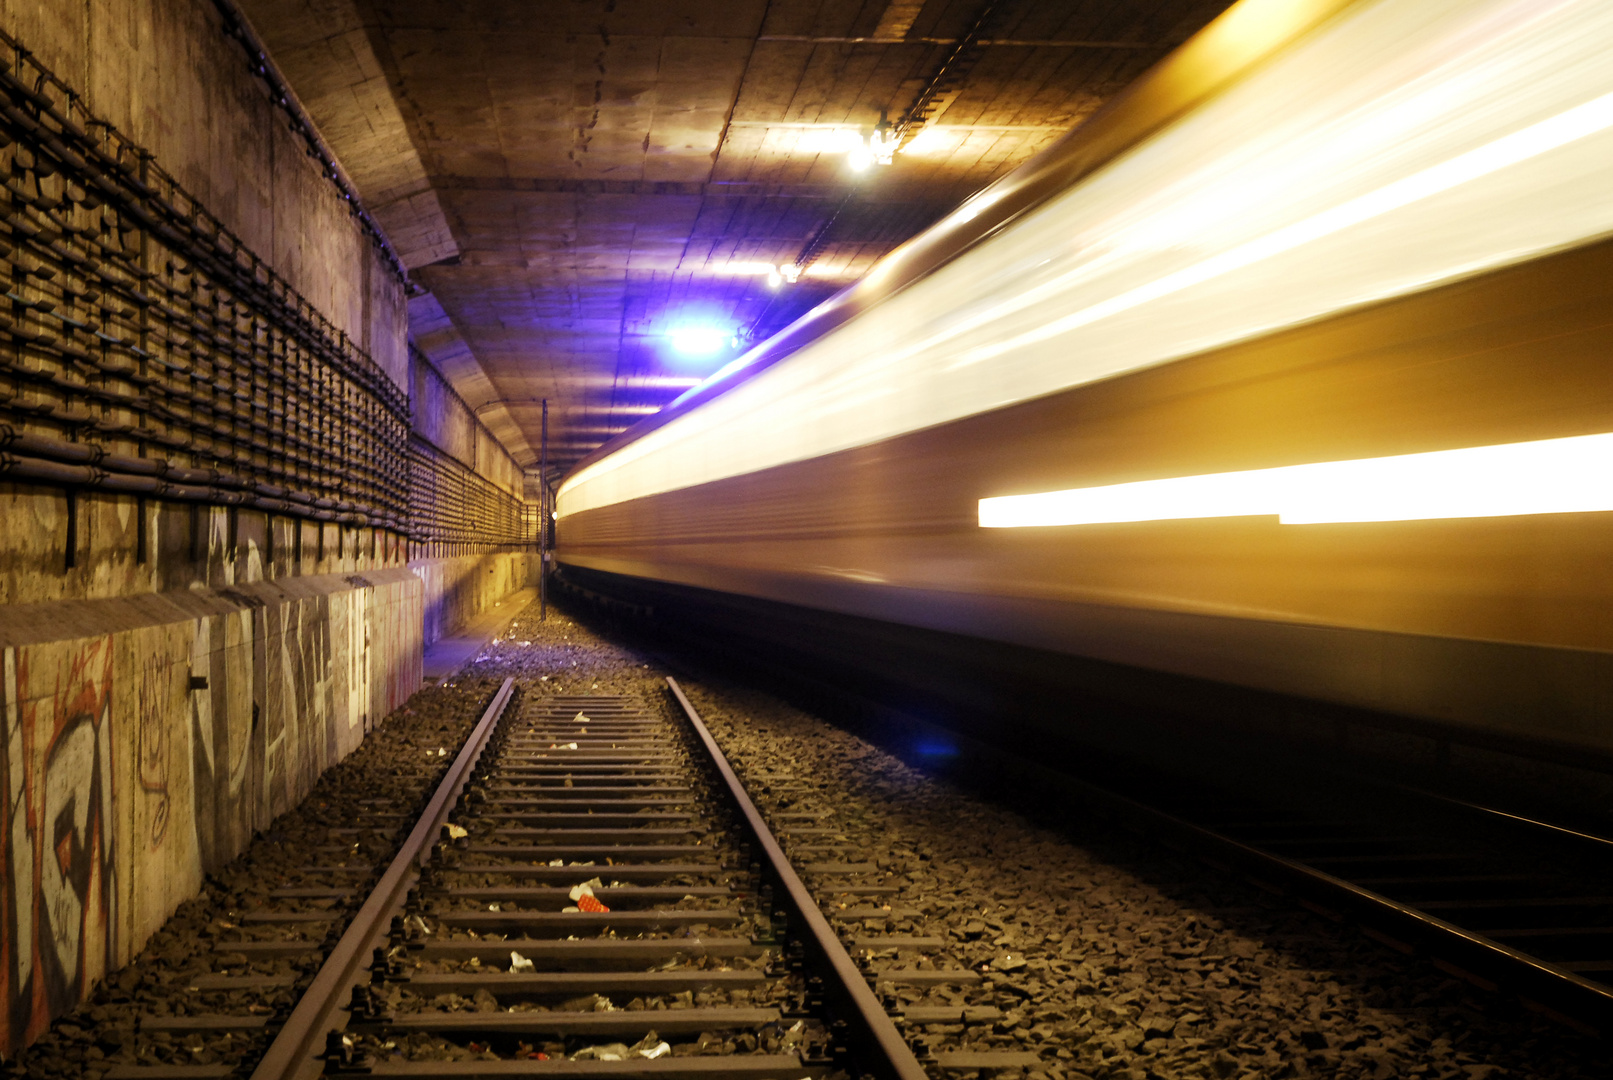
699 340
1551 476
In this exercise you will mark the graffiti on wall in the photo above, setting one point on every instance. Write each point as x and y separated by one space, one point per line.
189 736
300 682
152 748
59 876
221 736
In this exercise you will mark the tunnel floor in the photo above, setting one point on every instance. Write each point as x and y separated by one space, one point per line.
1101 953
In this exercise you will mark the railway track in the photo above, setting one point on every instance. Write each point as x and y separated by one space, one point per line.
589 891
1502 900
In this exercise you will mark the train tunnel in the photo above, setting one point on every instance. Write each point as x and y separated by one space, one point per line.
1207 387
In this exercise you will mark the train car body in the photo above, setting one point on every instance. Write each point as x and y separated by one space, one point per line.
1291 370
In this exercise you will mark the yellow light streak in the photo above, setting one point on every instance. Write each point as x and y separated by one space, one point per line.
1588 119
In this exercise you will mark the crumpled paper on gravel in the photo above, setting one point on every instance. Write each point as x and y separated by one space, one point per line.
650 1047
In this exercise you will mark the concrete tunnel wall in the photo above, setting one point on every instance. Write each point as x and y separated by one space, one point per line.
148 738
175 674
163 73
463 579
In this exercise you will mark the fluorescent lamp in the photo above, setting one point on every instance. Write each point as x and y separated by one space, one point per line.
927 141
1549 476
737 268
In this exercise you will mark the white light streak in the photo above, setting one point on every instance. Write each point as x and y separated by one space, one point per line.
827 139
1571 126
928 140
1549 476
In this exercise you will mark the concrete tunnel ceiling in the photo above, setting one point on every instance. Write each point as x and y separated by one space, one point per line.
568 183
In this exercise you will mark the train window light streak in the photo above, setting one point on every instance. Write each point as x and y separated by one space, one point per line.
1403 146
1548 476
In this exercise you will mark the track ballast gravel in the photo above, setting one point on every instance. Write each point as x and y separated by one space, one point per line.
1107 956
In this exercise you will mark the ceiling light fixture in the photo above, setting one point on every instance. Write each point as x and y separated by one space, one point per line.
699 340
877 149
883 142
783 274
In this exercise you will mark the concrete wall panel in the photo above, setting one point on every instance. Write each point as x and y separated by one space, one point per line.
33 536
125 779
444 420
458 589
61 885
175 676
157 848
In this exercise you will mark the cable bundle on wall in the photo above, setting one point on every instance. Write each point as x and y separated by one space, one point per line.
146 349
454 511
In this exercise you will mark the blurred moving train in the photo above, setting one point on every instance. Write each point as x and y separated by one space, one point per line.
1291 369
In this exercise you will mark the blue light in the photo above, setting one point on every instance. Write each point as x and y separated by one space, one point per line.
933 748
699 340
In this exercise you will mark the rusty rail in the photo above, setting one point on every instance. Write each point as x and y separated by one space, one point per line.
878 1047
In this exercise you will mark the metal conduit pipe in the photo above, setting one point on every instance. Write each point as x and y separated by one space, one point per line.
14 466
260 440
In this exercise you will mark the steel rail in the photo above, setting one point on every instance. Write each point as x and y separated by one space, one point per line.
879 1047
1548 827
298 1050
